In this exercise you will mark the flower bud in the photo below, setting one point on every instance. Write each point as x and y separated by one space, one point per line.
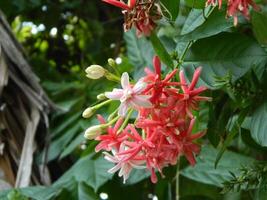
111 62
101 96
88 112
93 131
95 72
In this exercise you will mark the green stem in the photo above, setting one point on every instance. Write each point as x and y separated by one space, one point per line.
177 189
102 104
126 120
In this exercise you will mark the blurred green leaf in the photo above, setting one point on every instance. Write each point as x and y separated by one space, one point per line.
196 3
215 23
161 51
89 170
258 125
139 51
172 6
221 54
205 172
259 25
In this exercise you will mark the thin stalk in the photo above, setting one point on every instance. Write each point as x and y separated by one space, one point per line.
126 120
177 188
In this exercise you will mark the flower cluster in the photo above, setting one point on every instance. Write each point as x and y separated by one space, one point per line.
162 130
236 6
141 14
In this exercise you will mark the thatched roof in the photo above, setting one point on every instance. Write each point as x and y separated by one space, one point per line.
24 109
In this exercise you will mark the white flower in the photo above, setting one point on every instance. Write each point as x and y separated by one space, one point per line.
130 96
93 132
88 112
95 72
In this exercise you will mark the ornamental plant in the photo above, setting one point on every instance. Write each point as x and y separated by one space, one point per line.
153 125
159 99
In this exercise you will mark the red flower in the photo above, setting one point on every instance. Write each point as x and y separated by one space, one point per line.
139 14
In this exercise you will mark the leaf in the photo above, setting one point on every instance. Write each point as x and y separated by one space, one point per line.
89 170
86 192
216 23
205 172
172 6
194 19
139 51
258 125
137 176
73 145
161 51
221 54
259 26
200 4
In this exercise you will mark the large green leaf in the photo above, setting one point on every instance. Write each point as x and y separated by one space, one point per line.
160 50
91 171
258 126
205 172
194 19
259 25
139 51
172 6
222 54
85 192
137 176
215 24
196 3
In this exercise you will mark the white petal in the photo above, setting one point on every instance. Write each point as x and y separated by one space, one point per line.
142 101
123 109
114 169
116 94
125 80
139 87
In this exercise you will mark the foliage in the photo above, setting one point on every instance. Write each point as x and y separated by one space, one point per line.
61 38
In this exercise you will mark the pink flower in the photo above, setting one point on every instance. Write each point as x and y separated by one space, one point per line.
124 166
130 96
189 99
111 140
242 6
139 14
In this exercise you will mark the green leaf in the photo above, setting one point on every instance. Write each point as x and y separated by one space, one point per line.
200 4
258 125
216 23
161 51
85 192
137 176
259 26
194 19
72 146
205 172
139 51
221 54
89 170
172 6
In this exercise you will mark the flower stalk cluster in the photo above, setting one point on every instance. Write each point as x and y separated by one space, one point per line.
161 133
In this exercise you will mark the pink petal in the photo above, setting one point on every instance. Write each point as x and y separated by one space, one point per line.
117 4
125 80
183 81
195 78
131 3
116 94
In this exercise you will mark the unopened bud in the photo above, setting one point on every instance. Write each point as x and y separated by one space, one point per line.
101 96
95 72
111 62
93 131
88 112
